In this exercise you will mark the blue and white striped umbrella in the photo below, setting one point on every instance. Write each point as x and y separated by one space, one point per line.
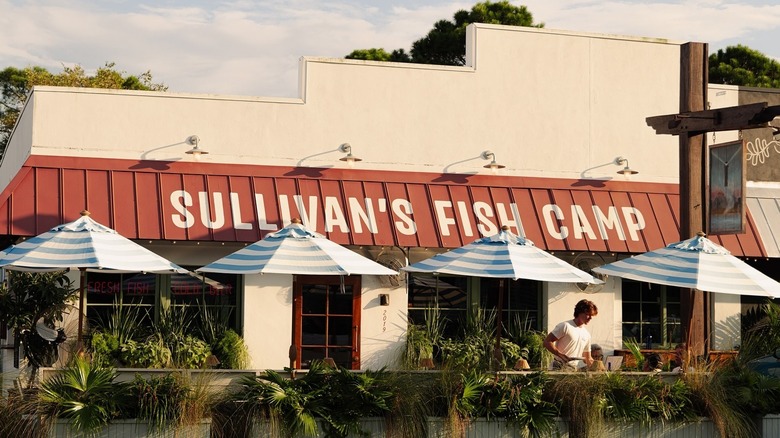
87 245
696 263
503 255
296 250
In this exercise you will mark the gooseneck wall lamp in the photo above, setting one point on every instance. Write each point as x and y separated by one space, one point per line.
493 166
196 151
619 161
349 158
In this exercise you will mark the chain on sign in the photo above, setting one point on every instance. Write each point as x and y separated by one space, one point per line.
758 151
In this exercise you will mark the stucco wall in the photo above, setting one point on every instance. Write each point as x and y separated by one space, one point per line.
548 103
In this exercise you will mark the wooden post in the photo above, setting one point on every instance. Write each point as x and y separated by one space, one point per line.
693 97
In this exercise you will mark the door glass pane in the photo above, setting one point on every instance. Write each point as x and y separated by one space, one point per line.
313 330
340 330
340 302
342 356
315 299
631 291
309 354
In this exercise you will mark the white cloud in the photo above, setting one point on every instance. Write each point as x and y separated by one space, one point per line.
253 47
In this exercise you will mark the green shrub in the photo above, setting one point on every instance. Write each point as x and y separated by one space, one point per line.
231 350
105 349
159 401
149 354
189 352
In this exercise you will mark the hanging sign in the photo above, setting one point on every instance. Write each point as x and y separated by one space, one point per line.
726 188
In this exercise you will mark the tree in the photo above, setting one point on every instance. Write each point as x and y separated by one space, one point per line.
29 297
446 42
16 84
398 55
741 65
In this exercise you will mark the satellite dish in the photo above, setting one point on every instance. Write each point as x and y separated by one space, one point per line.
586 261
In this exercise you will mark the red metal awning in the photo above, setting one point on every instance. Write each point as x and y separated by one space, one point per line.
153 200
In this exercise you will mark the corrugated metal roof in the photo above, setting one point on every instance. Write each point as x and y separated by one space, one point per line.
175 201
764 204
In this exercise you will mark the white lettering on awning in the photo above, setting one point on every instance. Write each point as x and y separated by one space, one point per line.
359 215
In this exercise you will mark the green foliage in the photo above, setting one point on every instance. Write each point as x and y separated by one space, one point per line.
339 398
159 401
105 349
761 336
398 55
173 328
588 401
124 322
446 43
420 340
713 396
189 352
86 395
635 349
28 297
232 351
741 65
153 353
518 398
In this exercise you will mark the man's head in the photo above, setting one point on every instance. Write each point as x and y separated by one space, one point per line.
584 311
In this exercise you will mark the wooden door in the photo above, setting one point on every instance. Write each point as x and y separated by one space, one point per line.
326 320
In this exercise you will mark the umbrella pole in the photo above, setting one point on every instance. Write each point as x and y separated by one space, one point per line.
82 282
497 354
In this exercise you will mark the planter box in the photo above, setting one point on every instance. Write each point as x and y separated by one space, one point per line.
479 428
134 429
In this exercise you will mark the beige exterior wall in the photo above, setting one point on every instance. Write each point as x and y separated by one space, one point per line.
548 103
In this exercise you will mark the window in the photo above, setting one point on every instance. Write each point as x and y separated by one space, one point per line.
136 291
448 294
213 291
521 301
453 296
651 313
139 291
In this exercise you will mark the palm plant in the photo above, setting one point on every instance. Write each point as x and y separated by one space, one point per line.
88 396
761 332
635 350
518 398
293 405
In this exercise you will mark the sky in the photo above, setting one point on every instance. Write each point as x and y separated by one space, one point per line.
253 47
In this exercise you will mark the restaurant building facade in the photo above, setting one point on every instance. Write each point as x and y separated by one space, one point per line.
556 110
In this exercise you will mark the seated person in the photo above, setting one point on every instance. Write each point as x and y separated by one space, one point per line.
679 358
597 354
653 363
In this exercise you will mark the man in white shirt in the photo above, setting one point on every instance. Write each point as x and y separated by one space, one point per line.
569 341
